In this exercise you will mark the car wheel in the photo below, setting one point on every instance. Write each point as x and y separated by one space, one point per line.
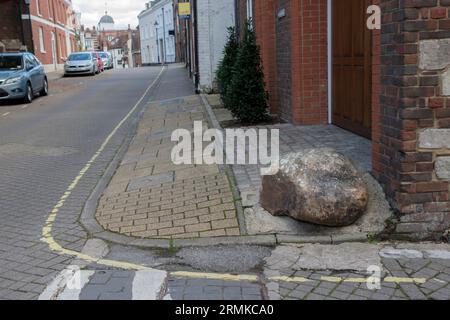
29 94
44 91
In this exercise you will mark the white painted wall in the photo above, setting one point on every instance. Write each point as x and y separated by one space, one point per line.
153 37
214 17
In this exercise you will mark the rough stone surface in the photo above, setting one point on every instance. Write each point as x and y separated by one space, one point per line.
259 221
446 83
319 186
443 168
349 256
435 139
434 54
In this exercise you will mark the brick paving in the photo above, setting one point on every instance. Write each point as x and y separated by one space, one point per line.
204 289
150 197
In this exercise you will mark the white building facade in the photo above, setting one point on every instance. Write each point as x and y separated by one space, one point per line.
157 33
214 17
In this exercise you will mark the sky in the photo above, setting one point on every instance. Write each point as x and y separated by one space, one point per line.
124 12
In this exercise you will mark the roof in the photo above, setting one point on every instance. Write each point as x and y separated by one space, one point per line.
106 19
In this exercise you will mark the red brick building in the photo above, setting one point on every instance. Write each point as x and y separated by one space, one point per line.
323 65
44 27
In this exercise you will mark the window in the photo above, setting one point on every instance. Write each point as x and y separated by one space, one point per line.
38 7
50 9
41 40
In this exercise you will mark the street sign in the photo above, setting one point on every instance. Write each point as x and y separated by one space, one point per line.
184 10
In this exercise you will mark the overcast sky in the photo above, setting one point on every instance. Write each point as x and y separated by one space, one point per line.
124 12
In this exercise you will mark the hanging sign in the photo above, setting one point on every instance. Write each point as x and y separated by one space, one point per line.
184 10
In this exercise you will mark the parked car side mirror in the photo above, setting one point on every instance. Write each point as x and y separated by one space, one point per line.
29 67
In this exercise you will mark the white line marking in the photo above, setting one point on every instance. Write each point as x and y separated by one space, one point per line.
58 288
5 114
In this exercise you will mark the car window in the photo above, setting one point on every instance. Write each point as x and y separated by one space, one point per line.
11 62
35 60
79 57
29 61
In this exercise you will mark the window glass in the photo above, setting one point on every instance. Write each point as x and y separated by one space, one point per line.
11 62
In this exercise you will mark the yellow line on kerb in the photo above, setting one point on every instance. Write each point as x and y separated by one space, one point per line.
254 278
48 226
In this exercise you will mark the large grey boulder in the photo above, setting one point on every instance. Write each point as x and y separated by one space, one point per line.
319 186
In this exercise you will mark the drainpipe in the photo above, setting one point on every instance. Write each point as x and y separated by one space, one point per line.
197 68
164 37
57 44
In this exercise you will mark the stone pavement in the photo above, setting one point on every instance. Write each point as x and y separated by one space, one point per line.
310 272
150 197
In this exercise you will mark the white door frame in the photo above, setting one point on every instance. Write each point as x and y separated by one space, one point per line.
330 59
54 49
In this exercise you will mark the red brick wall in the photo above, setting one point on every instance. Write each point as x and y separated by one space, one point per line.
11 25
376 91
295 59
265 24
309 61
411 103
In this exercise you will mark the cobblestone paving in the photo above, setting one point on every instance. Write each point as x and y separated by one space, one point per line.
150 197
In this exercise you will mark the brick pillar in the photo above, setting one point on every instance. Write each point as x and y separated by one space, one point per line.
414 143
264 22
309 58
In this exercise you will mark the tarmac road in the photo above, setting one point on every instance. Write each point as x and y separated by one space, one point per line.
43 146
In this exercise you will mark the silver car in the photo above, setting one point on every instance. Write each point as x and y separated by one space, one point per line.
22 76
81 63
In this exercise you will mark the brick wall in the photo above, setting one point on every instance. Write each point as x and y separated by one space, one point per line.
309 61
295 58
265 27
414 149
13 34
376 91
284 61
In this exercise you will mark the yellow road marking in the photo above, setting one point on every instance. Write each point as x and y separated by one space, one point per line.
254 278
214 276
48 226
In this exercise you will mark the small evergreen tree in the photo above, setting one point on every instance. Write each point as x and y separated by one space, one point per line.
246 96
225 69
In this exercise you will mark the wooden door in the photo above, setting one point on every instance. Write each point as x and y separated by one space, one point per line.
352 67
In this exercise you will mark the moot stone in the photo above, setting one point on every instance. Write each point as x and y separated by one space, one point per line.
318 186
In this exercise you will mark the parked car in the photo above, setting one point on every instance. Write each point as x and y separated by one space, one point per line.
107 60
82 63
22 76
101 66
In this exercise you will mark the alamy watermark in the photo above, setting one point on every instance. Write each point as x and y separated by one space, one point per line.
231 146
